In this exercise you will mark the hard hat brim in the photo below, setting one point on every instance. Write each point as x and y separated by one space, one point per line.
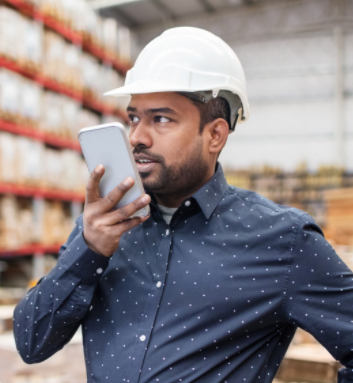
147 86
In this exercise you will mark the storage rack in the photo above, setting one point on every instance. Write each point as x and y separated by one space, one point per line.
301 189
73 36
38 195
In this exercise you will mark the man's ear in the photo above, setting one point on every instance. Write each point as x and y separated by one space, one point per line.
217 134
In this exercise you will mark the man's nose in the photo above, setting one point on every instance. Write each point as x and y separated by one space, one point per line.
140 135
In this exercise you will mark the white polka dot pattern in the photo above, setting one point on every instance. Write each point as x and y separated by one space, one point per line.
216 296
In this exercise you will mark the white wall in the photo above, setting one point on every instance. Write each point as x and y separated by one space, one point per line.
288 50
291 93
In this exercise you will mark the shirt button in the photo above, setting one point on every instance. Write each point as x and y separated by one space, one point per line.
159 284
187 203
143 337
99 271
167 232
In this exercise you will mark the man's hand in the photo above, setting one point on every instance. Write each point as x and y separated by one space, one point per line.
104 226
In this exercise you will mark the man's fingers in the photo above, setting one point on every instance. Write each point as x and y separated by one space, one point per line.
92 188
111 199
127 211
129 224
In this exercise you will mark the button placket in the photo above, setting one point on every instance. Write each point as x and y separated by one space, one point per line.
151 310
154 304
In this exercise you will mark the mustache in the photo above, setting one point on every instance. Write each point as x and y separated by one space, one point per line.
155 157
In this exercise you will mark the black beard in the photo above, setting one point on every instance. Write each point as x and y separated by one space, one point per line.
178 180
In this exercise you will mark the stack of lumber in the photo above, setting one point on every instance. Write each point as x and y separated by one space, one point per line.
339 223
12 295
6 313
308 363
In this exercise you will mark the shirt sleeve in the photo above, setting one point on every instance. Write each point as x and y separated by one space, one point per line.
319 294
50 314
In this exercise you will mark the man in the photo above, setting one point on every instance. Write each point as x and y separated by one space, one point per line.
212 286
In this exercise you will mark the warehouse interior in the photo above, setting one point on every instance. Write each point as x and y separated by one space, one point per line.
58 57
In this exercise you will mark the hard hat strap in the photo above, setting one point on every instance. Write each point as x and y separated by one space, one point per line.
233 100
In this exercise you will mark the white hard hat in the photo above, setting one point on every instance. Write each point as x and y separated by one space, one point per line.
187 59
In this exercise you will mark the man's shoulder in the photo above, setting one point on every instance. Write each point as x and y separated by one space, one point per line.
253 200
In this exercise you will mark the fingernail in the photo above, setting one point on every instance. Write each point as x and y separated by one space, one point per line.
145 198
99 168
128 181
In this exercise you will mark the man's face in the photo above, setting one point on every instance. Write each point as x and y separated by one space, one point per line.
167 146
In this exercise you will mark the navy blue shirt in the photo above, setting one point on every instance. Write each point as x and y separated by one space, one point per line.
216 296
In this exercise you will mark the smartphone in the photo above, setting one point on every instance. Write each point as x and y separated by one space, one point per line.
108 145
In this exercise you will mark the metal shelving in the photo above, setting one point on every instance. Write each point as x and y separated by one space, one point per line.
73 36
39 194
55 86
37 249
39 135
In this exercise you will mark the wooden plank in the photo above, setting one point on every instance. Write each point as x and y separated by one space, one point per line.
308 363
6 322
339 194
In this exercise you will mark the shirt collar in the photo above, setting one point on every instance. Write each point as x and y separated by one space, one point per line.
210 195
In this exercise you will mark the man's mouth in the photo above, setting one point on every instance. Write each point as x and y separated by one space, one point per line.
145 164
144 161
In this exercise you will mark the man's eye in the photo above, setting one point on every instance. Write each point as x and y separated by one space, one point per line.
162 119
134 119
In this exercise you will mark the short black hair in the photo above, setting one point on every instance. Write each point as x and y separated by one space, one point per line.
216 108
